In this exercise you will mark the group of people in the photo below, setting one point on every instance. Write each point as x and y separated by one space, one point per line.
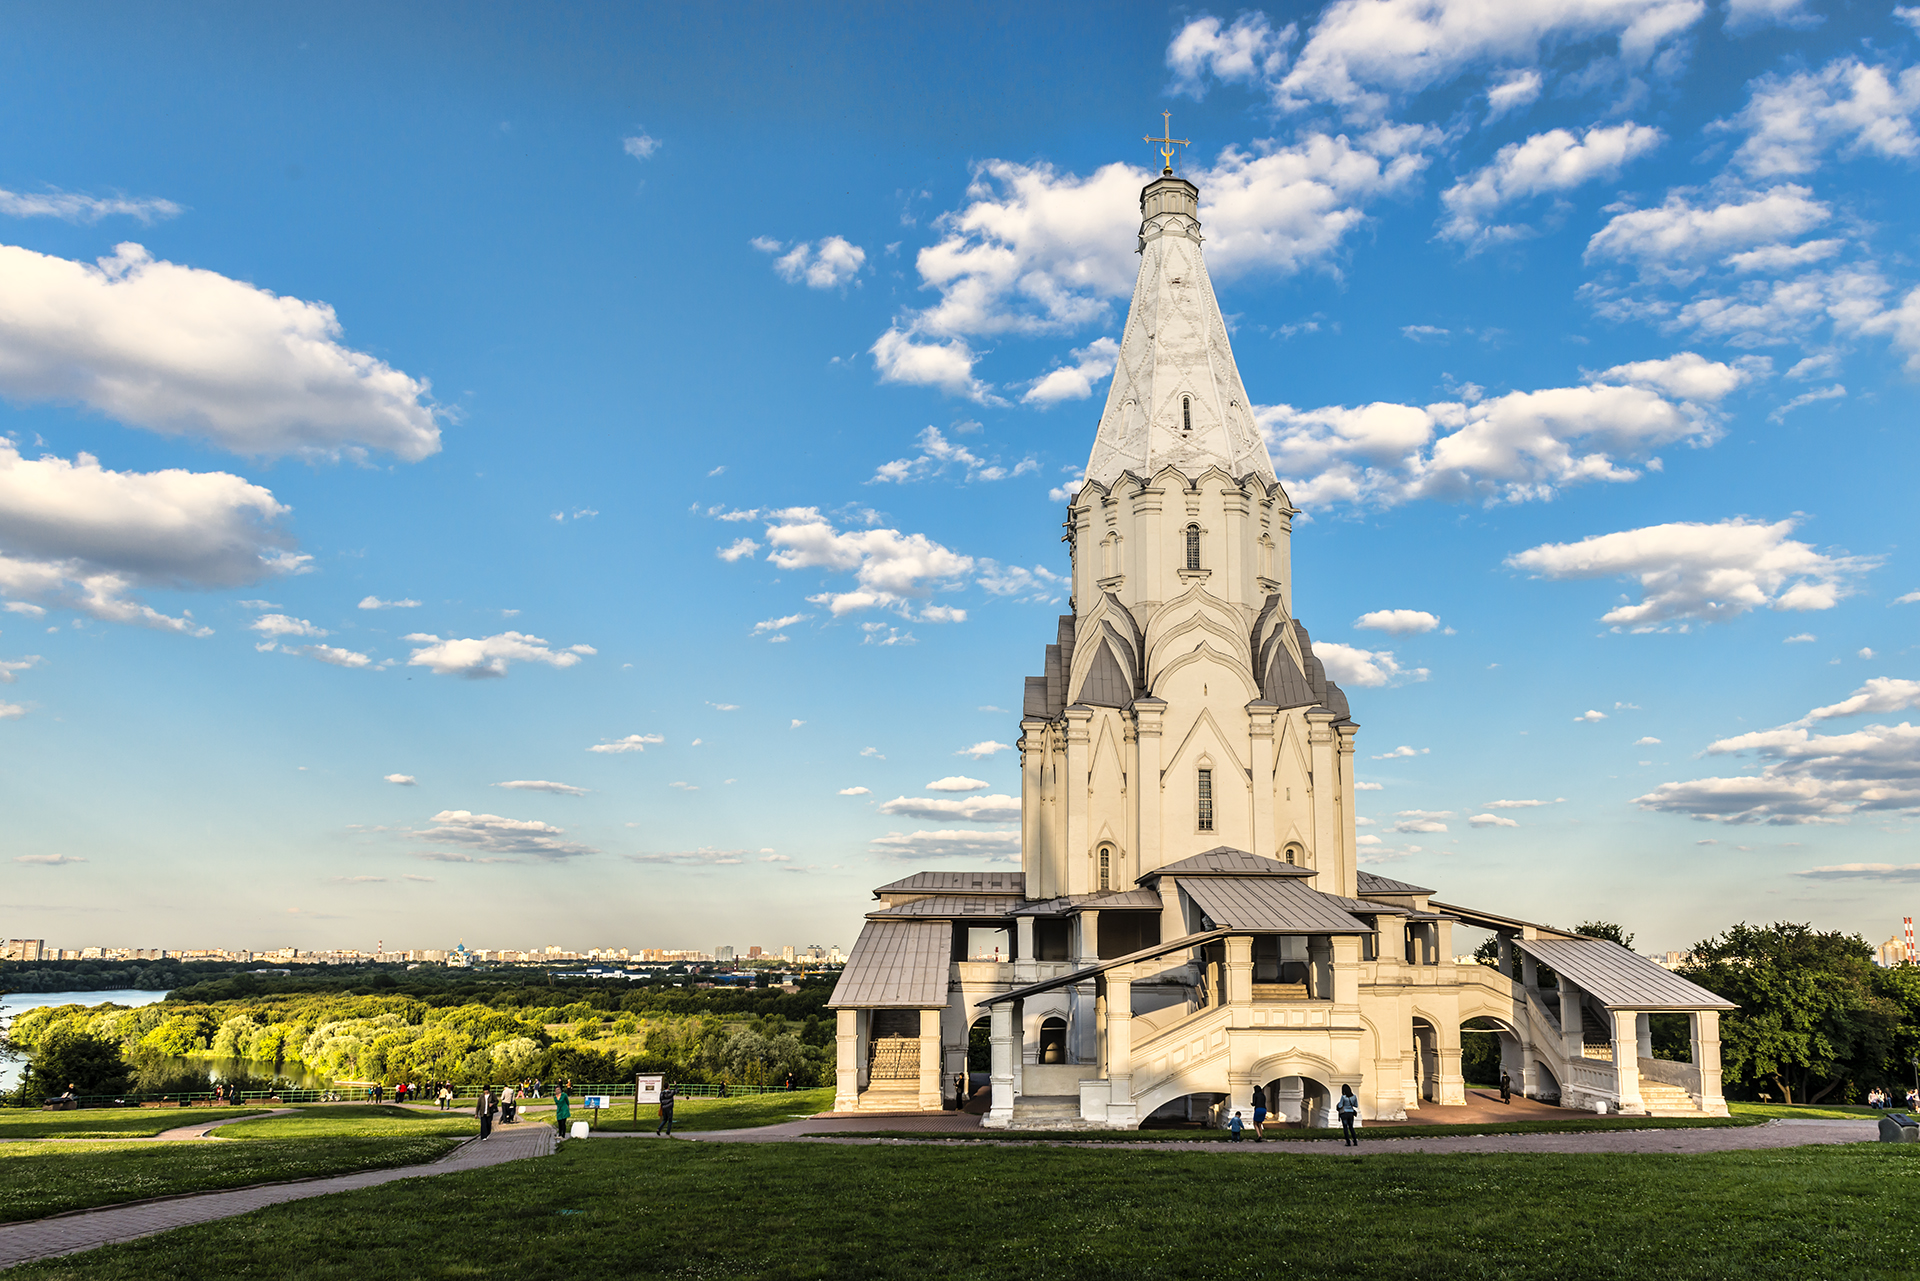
1887 1099
505 1104
1346 1107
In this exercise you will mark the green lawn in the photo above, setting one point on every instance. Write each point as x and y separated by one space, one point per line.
782 1211
38 1179
1573 1125
87 1123
356 1121
1798 1111
718 1114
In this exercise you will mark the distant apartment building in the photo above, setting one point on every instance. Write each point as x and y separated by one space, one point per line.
723 953
26 950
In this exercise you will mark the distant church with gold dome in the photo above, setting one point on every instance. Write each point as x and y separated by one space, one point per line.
1190 923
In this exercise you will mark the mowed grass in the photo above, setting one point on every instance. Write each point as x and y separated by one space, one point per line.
1804 1112
1574 1124
88 1123
38 1179
354 1121
716 1114
780 1211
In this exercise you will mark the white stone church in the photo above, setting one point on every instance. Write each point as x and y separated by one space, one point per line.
1190 922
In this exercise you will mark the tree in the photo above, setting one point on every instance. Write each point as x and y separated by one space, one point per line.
1811 1018
90 1064
1606 930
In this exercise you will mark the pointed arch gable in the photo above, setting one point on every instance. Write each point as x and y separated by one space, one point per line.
1204 721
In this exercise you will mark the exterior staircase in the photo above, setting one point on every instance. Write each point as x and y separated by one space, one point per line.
893 1075
1667 1100
1050 1112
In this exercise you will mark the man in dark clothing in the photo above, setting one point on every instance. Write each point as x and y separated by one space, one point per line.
1506 1088
666 1112
484 1110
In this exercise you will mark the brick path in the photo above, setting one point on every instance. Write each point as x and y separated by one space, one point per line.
89 1229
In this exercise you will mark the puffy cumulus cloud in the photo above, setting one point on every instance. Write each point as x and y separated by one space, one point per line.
631 743
401 780
1366 668
856 791
1545 164
1878 696
81 537
939 455
1492 820
332 655
1075 382
71 206
705 856
958 783
890 569
971 809
1691 571
34 611
277 625
640 146
1362 54
1791 121
1422 820
999 847
1398 622
10 710
1805 778
374 602
487 838
945 365
188 352
1767 312
983 749
822 264
1679 236
487 656
1517 92
542 785
1522 446
778 626
738 549
1590 715
8 666
1248 50
1401 752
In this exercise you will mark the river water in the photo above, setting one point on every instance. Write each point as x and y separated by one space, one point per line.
14 1003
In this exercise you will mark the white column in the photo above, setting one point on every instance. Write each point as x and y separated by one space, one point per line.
846 1075
1450 1087
1151 853
1643 1034
1075 801
1023 969
1325 787
1349 864
1119 1056
1704 1027
1263 838
930 1060
1032 806
1000 1113
1240 980
1626 1062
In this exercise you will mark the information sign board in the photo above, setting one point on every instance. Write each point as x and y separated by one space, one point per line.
650 1087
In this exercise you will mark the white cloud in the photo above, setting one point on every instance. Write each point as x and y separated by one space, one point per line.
1783 259
1807 778
1909 14
1522 446
937 454
1398 622
1250 49
332 654
739 549
402 780
1038 584
983 749
1366 668
479 658
1678 236
971 809
1751 15
1520 805
796 724
1368 787
890 569
35 611
1491 820
1646 742
873 752
1002 847
1835 392
631 743
1879 696
71 206
1515 93
486 838
1075 382
856 791
1401 751
1800 638
187 352
640 146
1590 715
542 785
946 365
281 625
75 535
9 666
685 787
46 860
1422 820
766 625
1545 164
374 602
1791 121
705 856
722 707
1911 598
958 783
9 710
823 264
1886 872
882 634
1692 571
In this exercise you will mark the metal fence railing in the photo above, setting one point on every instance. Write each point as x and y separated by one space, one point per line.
357 1093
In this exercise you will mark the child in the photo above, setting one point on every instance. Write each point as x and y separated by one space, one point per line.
1234 1125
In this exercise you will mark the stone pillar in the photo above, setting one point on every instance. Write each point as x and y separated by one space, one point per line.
1240 978
1039 859
1120 1110
1086 948
1074 800
1262 838
1148 788
1643 1033
1450 1087
1704 1029
1024 970
1320 967
1239 1099
1569 1030
1348 867
1287 1098
1529 972
1506 954
846 1075
1324 788
930 1060
1088 942
1626 1062
1000 1114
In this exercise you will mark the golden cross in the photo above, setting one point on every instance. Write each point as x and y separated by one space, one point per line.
1166 151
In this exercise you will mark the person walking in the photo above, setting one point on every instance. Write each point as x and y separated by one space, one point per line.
666 1112
562 1109
1348 1109
484 1110
1506 1088
1259 1115
959 1091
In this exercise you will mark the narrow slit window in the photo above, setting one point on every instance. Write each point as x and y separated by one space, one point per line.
1193 546
1206 800
1186 414
1106 868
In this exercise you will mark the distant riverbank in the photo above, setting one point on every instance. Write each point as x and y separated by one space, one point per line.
13 1003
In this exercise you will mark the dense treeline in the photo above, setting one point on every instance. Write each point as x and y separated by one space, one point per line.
107 976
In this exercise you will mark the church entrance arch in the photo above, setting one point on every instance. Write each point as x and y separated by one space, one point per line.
1488 1047
1426 1059
1188 1109
1053 1040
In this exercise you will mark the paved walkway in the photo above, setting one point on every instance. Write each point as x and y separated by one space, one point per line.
89 1229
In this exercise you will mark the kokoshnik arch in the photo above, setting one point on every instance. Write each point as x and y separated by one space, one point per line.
1190 923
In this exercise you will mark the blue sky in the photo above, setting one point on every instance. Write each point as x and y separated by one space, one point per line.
382 390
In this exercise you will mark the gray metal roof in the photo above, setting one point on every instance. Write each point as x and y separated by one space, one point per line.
897 965
1373 884
1224 860
1617 978
1080 976
959 883
953 906
1099 901
1269 904
1367 906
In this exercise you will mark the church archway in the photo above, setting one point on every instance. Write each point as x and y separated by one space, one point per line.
1053 1040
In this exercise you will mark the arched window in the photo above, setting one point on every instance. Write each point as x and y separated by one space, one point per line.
1186 415
1106 867
1206 800
1193 546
